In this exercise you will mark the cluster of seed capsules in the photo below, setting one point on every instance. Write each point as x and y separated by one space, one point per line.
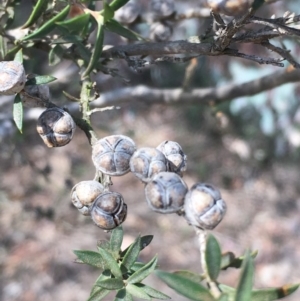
160 169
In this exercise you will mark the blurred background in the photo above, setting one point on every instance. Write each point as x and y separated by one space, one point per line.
247 147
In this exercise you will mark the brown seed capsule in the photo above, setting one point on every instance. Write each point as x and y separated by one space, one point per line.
165 192
175 156
56 127
204 207
146 162
84 193
229 7
109 210
111 155
12 77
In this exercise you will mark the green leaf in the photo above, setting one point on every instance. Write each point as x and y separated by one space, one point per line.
98 294
18 112
108 12
243 292
143 272
3 48
116 240
223 297
137 292
114 26
136 266
97 49
37 12
55 55
40 80
110 263
19 56
10 11
145 241
227 289
273 293
103 244
106 274
123 295
131 255
152 292
186 287
213 257
67 39
116 4
48 26
230 261
111 284
90 258
76 24
189 275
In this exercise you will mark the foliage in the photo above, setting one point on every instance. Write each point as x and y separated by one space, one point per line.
64 31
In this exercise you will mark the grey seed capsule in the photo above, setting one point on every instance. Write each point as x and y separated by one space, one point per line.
12 77
84 193
56 127
111 155
160 32
175 156
128 13
162 8
146 162
109 210
165 192
230 7
204 206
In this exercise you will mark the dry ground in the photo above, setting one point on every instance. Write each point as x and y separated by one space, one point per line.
39 228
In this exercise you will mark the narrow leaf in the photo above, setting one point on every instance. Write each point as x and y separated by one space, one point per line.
48 26
131 255
106 274
110 263
103 244
186 287
145 241
18 112
116 4
40 80
76 24
97 50
56 55
243 292
189 275
66 39
19 56
114 26
152 292
90 258
137 292
37 12
108 12
3 48
273 293
144 272
136 266
98 294
116 240
111 284
123 295
223 297
213 257
230 261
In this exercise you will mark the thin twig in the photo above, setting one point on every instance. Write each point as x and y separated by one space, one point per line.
283 52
